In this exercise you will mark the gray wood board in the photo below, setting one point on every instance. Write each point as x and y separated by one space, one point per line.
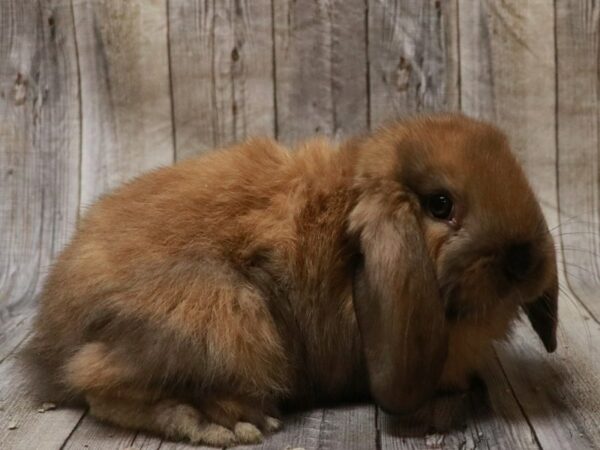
320 68
578 140
39 145
126 107
413 58
222 72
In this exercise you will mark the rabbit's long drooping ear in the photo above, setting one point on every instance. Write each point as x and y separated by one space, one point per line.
543 315
397 302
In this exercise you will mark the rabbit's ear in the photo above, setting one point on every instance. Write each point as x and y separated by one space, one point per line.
543 315
398 305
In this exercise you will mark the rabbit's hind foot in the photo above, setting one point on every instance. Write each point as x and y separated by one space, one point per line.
179 421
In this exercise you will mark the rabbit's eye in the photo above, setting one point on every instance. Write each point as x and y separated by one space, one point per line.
440 206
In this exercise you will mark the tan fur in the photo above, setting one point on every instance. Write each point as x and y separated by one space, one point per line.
195 299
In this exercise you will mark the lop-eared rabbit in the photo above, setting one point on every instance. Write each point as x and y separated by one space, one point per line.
197 299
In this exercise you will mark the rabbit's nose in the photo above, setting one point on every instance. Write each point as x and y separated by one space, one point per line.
518 261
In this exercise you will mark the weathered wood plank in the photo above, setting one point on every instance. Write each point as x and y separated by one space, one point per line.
143 441
320 68
14 329
169 445
126 109
91 433
578 138
344 427
222 72
413 57
39 145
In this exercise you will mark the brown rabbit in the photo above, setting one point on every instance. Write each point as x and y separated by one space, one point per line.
197 299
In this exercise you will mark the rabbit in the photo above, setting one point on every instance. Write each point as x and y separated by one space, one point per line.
197 300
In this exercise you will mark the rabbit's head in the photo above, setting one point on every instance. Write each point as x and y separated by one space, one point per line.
450 235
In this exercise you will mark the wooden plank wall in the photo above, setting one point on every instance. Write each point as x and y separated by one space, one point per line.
94 92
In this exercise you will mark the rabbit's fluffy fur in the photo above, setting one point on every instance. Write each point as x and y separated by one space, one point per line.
197 299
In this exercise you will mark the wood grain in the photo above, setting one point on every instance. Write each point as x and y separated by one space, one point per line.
39 152
222 72
40 146
95 435
320 68
126 109
14 330
413 57
578 140
342 428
